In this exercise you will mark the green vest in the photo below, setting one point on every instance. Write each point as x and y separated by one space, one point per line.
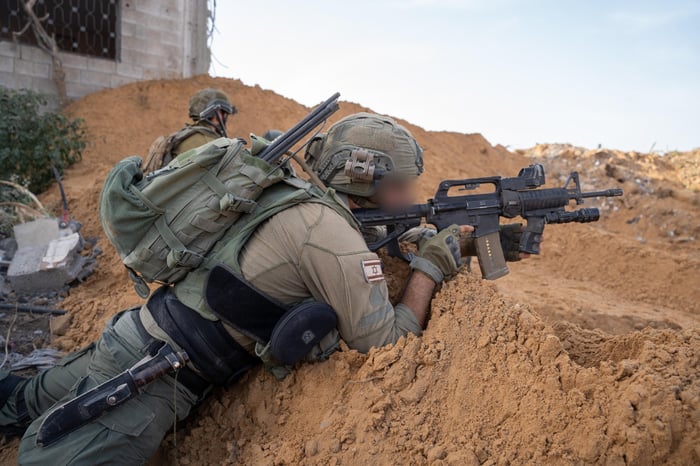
273 200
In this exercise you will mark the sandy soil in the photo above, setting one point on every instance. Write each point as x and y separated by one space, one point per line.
589 353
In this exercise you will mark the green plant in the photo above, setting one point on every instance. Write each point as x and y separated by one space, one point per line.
17 205
32 140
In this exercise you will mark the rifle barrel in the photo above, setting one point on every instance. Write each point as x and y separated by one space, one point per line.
614 192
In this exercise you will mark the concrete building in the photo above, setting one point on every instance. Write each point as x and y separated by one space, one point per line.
104 44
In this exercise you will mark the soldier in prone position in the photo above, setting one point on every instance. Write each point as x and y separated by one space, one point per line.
299 251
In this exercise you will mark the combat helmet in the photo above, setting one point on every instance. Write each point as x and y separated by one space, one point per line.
360 150
206 103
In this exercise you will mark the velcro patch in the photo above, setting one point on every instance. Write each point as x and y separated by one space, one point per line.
372 268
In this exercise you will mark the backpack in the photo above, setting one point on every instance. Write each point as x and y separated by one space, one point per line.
164 224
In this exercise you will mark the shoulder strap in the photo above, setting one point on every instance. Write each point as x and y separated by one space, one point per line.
161 151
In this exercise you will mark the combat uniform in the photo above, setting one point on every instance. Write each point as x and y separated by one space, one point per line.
299 245
310 249
201 135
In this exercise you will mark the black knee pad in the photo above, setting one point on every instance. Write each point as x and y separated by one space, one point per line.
300 329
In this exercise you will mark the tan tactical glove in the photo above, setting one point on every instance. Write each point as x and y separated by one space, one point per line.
439 257
510 242
417 235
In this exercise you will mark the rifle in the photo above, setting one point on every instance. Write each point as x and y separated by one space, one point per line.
511 197
284 142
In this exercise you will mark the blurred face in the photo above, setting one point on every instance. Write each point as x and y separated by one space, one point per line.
396 194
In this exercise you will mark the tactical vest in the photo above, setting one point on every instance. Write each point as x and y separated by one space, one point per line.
190 322
274 199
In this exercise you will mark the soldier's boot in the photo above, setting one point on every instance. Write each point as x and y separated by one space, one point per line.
14 417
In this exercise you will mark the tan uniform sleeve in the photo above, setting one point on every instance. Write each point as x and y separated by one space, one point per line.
326 254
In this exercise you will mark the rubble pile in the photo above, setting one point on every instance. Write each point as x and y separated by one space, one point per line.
662 192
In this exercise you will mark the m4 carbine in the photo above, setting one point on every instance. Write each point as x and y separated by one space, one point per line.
512 197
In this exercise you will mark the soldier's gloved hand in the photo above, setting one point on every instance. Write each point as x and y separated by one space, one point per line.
510 241
417 235
373 234
439 257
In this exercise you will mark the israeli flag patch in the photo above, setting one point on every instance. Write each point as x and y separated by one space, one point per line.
372 269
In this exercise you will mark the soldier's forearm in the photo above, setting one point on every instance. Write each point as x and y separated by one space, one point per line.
417 295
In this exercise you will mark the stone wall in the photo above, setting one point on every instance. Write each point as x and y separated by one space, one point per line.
156 39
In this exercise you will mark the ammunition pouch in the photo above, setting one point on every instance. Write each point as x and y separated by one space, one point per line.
212 350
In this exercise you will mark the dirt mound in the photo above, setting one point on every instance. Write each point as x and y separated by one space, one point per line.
126 120
488 382
587 354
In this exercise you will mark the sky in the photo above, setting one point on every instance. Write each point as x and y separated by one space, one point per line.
624 74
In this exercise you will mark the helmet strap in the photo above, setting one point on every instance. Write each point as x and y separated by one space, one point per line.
219 126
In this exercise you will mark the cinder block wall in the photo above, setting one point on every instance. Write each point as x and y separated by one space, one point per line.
157 39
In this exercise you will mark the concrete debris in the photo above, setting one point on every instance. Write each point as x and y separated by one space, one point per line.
36 233
47 257
39 359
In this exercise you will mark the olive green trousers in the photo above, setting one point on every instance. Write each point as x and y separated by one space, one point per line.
131 433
